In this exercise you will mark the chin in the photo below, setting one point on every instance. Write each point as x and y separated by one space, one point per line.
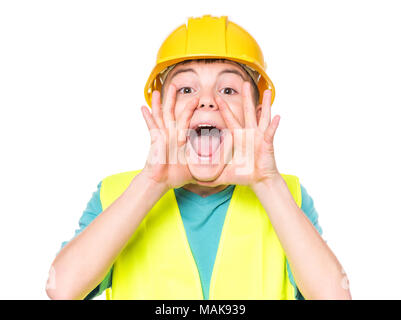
205 173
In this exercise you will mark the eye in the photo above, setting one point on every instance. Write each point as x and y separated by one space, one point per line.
185 90
229 91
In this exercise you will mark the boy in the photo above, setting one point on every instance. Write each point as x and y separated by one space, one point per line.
209 216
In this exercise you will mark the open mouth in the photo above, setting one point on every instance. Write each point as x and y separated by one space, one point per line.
206 139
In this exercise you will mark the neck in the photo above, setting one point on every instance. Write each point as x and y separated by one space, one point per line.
203 191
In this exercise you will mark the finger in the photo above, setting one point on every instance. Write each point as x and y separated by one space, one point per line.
271 130
265 116
156 109
150 122
169 106
185 118
228 116
249 107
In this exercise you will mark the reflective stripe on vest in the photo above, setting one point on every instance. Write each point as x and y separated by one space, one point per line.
157 262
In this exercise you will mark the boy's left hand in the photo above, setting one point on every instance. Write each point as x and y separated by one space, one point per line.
248 165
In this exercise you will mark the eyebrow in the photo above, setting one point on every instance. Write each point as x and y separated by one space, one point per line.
220 73
181 71
232 71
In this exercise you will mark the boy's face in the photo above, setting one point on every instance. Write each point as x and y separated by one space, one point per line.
206 81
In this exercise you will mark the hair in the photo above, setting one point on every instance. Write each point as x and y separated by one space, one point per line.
255 89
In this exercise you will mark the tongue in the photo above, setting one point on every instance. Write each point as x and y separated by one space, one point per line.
205 145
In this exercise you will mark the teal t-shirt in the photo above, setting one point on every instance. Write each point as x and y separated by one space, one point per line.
203 219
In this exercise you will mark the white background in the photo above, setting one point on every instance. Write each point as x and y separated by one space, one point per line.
72 75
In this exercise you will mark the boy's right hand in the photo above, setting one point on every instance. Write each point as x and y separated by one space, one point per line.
166 162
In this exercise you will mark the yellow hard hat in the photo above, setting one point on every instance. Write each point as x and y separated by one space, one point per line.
213 38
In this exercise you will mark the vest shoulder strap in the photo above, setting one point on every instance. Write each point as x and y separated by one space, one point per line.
113 186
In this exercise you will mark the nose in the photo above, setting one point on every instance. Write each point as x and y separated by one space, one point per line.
211 106
207 102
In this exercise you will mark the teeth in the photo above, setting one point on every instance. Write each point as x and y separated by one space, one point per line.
211 129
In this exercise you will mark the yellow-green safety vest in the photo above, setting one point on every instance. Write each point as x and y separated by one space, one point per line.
157 262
